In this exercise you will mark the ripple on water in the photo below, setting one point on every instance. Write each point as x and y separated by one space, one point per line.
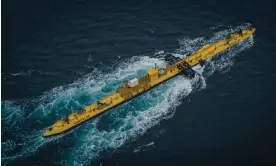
126 122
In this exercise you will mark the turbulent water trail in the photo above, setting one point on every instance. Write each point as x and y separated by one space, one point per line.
29 118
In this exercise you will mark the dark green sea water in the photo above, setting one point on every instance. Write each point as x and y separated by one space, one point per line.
62 54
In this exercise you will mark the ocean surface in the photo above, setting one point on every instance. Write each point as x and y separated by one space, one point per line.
58 55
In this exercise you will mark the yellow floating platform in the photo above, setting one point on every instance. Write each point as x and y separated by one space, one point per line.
139 86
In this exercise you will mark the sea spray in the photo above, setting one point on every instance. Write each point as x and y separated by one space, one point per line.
127 122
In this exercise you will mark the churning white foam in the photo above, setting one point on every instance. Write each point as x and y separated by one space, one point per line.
144 147
133 118
126 122
151 108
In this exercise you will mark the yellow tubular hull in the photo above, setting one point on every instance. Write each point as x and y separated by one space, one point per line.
151 79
